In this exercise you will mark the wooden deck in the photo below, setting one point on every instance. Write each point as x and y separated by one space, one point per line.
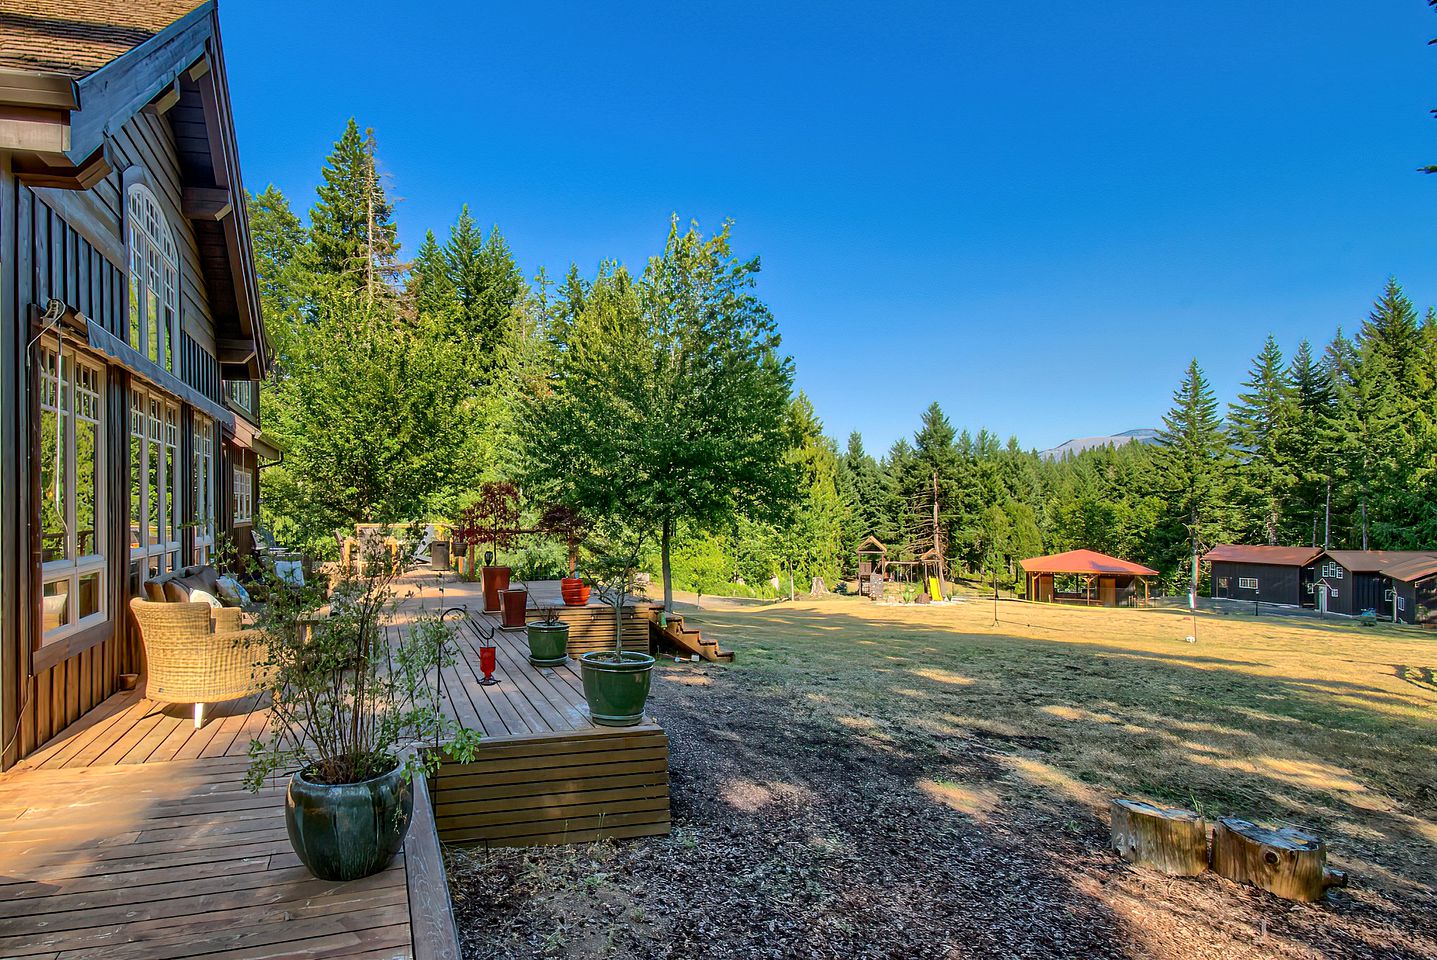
130 836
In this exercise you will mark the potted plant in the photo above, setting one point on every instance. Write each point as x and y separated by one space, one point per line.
496 518
352 702
616 682
568 525
548 640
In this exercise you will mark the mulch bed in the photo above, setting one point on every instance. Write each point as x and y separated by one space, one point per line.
797 837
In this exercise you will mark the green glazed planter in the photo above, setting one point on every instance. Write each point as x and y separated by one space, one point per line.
349 830
616 689
548 644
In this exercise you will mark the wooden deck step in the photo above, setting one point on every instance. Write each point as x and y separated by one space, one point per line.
688 640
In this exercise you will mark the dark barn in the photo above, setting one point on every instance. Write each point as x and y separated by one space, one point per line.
1261 573
1351 581
1412 587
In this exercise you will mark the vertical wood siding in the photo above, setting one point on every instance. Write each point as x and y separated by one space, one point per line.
65 246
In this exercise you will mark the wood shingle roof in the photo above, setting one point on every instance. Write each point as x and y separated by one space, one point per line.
76 37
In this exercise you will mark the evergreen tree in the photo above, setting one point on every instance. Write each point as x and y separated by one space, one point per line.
430 290
281 260
352 231
1258 424
1304 452
1194 461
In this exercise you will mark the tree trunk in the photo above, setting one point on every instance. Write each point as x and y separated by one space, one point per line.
1167 839
665 568
1285 862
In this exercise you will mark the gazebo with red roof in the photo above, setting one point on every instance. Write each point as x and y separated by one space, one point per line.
1105 581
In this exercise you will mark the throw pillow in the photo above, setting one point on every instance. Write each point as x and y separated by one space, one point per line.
201 596
232 592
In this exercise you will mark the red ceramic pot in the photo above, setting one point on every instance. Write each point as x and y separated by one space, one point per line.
496 579
574 591
514 602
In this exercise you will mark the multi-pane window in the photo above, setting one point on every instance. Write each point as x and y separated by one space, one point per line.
242 392
155 500
244 495
1332 571
71 493
203 474
154 280
1247 583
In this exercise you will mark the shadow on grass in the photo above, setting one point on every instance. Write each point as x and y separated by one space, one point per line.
1009 746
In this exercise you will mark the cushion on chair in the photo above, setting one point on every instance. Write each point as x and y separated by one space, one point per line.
231 592
203 596
176 590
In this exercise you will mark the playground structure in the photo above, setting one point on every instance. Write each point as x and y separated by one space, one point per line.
874 570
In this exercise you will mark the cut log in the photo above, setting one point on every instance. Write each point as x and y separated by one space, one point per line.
1283 861
1167 839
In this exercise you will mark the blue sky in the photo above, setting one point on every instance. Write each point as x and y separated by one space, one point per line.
1032 213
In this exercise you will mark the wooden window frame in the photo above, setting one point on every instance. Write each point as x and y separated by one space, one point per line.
155 416
75 566
203 440
151 253
1247 583
243 495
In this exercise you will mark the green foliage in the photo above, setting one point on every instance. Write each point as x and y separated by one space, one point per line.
349 697
1193 464
364 415
666 398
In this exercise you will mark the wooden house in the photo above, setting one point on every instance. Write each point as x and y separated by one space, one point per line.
133 345
1269 574
1411 592
1351 581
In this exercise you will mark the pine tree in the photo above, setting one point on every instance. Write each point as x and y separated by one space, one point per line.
281 259
1304 452
1194 461
1258 424
352 225
430 290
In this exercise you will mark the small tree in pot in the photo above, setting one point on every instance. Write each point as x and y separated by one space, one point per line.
616 682
496 517
353 704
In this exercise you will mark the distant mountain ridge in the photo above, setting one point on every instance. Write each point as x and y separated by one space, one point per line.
1079 444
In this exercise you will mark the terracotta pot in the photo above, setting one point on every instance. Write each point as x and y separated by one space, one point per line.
574 591
496 579
514 602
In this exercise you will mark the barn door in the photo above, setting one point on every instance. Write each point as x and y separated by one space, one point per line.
1108 591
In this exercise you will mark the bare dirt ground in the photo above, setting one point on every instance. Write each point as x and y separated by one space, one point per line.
889 782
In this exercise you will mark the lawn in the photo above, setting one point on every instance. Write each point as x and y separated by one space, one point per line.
916 781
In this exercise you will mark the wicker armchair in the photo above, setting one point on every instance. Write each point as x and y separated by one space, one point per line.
192 655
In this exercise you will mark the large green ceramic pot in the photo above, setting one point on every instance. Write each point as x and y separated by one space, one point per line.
548 643
615 688
348 830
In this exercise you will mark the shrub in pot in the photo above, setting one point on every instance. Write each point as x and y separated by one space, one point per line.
352 705
616 682
548 640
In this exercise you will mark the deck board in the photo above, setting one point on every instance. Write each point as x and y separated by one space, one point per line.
129 835
173 859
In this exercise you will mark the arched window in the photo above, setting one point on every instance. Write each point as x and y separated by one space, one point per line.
154 280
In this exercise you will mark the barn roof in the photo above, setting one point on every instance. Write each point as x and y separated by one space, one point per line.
1086 561
1375 561
1416 568
74 38
1275 556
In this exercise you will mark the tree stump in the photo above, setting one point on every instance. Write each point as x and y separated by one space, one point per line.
1282 861
1170 840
